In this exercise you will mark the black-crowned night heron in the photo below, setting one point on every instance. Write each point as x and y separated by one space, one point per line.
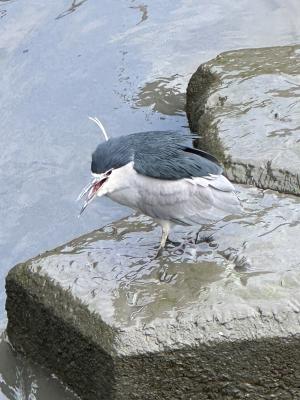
161 175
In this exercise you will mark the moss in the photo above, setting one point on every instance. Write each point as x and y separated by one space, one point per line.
56 330
201 121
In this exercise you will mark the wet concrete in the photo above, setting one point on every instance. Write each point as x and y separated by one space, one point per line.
246 106
108 319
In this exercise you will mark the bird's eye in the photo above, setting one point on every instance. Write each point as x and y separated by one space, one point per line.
107 173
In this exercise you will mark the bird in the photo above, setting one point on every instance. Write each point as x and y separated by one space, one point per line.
161 174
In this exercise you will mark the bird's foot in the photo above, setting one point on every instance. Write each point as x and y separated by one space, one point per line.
180 247
173 242
204 239
176 246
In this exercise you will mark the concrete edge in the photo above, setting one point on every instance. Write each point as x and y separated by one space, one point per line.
56 330
203 83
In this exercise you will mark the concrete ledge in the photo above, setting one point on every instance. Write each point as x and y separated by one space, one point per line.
204 323
57 330
70 342
245 106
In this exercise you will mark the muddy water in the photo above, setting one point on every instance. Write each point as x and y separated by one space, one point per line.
127 62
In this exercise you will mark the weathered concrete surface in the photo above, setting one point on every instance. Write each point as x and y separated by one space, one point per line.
217 320
246 106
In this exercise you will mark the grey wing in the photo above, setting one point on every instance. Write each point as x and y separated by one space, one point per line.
175 161
187 201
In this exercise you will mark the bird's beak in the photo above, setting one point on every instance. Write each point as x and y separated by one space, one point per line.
91 191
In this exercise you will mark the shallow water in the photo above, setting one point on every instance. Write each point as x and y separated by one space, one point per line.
127 63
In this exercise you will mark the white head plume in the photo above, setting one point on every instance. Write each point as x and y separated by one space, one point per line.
98 123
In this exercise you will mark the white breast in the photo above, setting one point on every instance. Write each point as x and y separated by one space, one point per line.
121 186
187 201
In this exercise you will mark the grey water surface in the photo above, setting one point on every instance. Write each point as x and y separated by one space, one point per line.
127 62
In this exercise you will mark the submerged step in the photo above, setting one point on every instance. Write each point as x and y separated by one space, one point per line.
218 319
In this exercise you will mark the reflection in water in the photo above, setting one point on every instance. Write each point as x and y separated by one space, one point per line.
21 380
165 288
163 96
75 4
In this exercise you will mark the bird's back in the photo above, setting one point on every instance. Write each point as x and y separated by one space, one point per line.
171 156
160 155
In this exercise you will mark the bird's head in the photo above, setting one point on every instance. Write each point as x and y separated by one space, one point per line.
94 188
108 157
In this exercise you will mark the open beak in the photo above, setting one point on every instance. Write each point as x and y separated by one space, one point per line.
91 191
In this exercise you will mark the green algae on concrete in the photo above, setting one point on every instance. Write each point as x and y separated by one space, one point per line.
248 114
217 320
